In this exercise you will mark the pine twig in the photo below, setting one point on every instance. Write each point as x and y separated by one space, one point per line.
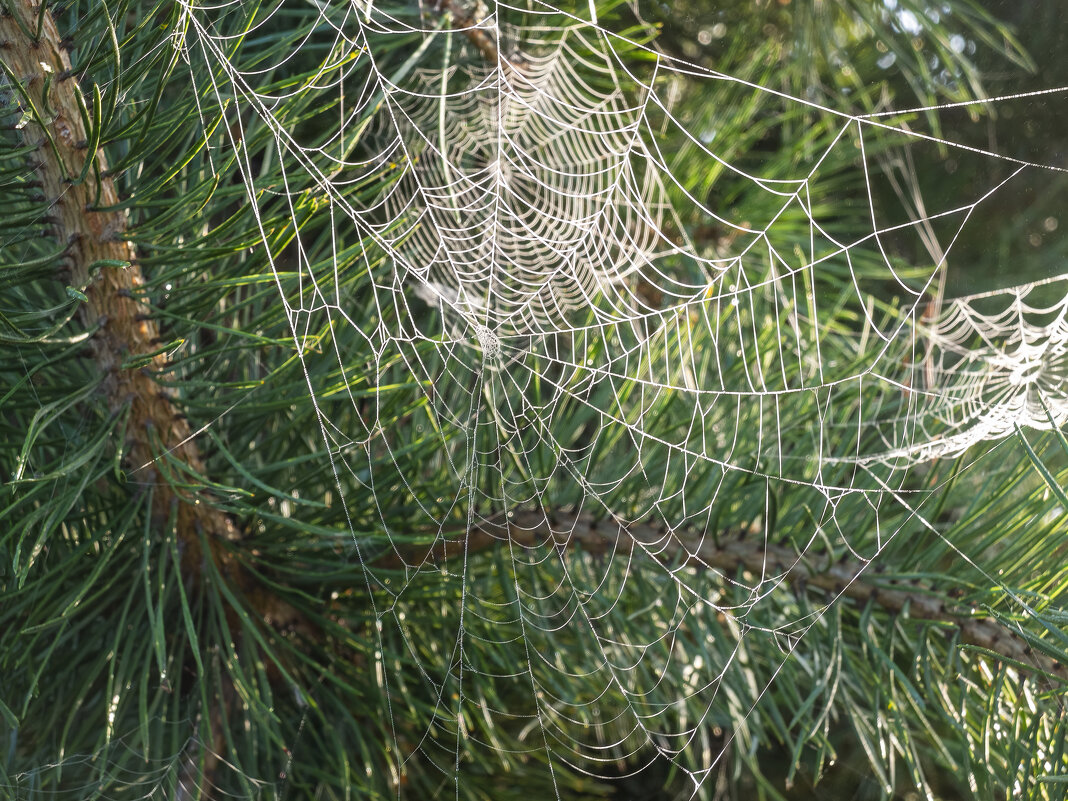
731 554
84 212
467 19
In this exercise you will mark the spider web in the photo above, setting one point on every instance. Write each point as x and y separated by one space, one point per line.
994 362
121 769
585 365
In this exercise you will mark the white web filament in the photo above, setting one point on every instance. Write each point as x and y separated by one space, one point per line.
984 374
523 200
527 217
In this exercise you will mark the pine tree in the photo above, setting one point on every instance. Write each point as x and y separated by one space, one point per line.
287 516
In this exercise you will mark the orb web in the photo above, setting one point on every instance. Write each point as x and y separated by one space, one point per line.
616 420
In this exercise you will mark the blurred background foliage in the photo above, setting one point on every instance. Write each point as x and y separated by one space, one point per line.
864 57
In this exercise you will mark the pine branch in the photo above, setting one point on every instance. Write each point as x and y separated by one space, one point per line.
477 34
744 551
85 213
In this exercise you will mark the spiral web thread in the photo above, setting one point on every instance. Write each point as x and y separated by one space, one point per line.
584 365
994 363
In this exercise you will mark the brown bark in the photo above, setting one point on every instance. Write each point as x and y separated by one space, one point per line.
731 554
479 36
86 216
160 448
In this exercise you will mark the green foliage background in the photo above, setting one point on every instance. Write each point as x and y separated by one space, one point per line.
120 676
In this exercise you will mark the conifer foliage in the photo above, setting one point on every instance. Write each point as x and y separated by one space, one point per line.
406 400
